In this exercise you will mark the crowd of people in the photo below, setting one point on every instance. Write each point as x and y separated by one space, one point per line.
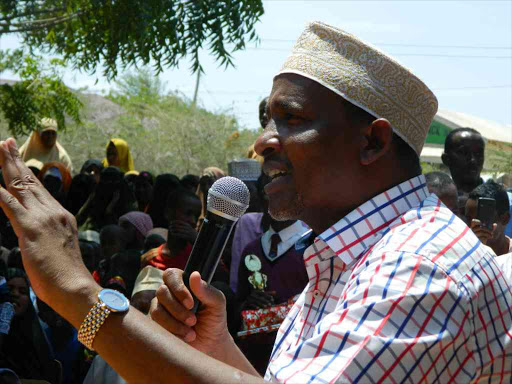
133 226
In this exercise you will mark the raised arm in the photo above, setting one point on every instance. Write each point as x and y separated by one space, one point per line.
51 256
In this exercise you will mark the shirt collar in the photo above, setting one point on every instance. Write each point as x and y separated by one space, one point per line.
288 232
365 225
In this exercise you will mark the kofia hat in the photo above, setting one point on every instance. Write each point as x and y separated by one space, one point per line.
365 77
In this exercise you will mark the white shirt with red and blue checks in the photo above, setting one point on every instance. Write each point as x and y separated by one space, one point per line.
400 291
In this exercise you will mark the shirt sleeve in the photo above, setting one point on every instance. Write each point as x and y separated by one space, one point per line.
398 318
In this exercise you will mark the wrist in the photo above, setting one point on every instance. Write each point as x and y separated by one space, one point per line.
75 303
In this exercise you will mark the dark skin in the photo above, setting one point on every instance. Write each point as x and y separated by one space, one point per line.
182 223
112 156
494 238
448 196
263 113
465 159
49 138
311 139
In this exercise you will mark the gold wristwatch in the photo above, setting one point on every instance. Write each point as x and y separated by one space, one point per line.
109 301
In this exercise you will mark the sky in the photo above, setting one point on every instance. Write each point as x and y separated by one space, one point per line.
461 49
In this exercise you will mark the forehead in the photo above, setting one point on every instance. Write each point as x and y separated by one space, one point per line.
17 282
467 139
293 91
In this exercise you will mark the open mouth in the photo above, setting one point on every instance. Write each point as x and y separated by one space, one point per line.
276 174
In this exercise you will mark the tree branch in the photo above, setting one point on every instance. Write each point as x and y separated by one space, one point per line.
49 23
32 13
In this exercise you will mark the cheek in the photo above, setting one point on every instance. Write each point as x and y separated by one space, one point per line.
24 304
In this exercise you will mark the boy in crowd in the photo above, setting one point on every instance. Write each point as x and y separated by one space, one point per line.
495 238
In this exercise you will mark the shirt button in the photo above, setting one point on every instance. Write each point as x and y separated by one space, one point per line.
316 293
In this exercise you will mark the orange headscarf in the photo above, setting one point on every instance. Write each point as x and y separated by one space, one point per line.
66 176
123 154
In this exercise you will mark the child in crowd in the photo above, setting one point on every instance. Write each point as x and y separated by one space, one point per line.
182 211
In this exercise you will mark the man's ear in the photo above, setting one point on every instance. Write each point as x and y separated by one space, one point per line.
505 218
445 159
376 141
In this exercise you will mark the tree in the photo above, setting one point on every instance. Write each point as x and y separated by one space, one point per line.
40 93
131 32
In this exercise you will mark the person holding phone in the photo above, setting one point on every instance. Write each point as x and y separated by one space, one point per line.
489 224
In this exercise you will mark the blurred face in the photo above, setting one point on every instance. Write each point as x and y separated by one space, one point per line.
143 191
187 210
206 183
449 197
131 231
53 185
466 158
263 112
49 138
471 213
20 295
94 171
310 152
112 156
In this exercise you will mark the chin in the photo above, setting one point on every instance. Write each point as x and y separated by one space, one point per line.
284 210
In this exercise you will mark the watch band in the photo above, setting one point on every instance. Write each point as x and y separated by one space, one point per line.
92 323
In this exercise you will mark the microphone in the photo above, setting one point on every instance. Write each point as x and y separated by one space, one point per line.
228 199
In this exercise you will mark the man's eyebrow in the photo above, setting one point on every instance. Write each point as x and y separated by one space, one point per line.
286 103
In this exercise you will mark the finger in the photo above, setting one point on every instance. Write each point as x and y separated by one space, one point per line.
19 179
173 279
160 315
174 307
206 294
11 206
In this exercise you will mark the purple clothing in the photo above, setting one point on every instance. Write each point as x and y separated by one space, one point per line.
286 275
247 230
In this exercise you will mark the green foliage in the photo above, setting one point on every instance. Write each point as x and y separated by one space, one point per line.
40 93
166 134
141 85
132 32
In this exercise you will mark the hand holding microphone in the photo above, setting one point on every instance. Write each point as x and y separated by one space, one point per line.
228 199
174 306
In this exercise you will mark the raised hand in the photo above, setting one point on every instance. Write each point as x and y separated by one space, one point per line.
47 235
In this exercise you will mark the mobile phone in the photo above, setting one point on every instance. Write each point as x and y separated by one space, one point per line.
486 211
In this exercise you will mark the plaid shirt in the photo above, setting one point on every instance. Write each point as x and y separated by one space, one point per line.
400 290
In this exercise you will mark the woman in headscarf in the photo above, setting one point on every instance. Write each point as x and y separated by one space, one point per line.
164 185
82 186
118 155
111 199
56 179
93 167
209 176
42 145
137 225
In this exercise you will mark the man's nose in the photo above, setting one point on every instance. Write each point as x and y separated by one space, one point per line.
268 142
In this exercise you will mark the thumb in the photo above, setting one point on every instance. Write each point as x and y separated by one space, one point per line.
209 296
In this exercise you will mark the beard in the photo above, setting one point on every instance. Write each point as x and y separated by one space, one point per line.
291 209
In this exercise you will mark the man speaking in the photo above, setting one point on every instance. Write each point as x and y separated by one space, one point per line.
399 290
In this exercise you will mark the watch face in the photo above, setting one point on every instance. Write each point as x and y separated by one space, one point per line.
114 300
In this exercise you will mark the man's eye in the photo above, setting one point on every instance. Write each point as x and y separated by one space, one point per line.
293 118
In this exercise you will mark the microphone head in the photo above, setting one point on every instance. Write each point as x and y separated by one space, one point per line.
228 197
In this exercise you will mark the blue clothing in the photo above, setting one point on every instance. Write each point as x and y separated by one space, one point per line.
508 228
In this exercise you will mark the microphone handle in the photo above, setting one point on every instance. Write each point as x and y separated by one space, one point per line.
208 248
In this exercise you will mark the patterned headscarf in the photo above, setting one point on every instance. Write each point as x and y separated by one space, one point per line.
140 220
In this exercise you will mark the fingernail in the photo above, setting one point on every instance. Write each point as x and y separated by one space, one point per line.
191 321
188 303
190 336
